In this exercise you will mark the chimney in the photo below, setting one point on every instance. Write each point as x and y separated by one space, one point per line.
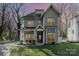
39 11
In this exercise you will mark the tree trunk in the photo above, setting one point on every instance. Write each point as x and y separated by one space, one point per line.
1 38
10 35
1 31
18 34
18 31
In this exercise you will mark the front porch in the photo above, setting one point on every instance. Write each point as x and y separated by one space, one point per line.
33 35
38 35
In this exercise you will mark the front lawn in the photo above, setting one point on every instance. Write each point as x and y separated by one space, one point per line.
63 49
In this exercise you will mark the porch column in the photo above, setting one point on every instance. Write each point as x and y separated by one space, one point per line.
35 35
43 37
22 36
46 36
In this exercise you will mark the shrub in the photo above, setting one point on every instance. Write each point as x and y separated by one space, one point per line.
64 34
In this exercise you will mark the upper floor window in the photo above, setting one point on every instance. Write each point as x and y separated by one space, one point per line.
30 23
51 22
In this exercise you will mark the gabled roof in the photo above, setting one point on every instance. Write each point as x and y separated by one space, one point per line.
51 7
40 26
30 15
33 14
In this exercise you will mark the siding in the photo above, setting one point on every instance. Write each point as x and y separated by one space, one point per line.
49 14
72 33
35 22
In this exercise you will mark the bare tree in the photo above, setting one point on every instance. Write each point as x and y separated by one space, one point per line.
61 7
9 24
16 9
2 19
69 13
66 10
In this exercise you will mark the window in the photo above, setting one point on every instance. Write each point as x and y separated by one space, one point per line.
51 37
51 22
30 36
30 23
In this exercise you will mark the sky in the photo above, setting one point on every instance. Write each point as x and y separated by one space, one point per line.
30 7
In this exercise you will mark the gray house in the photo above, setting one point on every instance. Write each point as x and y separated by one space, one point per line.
41 27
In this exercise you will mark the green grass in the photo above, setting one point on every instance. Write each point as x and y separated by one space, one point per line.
63 49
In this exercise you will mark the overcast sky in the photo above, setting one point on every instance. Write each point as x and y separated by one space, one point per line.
32 6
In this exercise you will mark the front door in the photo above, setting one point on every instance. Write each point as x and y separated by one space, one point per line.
40 36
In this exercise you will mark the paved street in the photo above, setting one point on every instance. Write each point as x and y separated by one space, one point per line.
5 49
1 53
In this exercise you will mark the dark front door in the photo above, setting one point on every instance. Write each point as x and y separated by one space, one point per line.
40 36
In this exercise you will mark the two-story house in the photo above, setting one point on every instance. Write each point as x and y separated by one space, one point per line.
41 27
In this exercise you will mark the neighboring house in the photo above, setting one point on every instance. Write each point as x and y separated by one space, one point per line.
41 27
73 29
